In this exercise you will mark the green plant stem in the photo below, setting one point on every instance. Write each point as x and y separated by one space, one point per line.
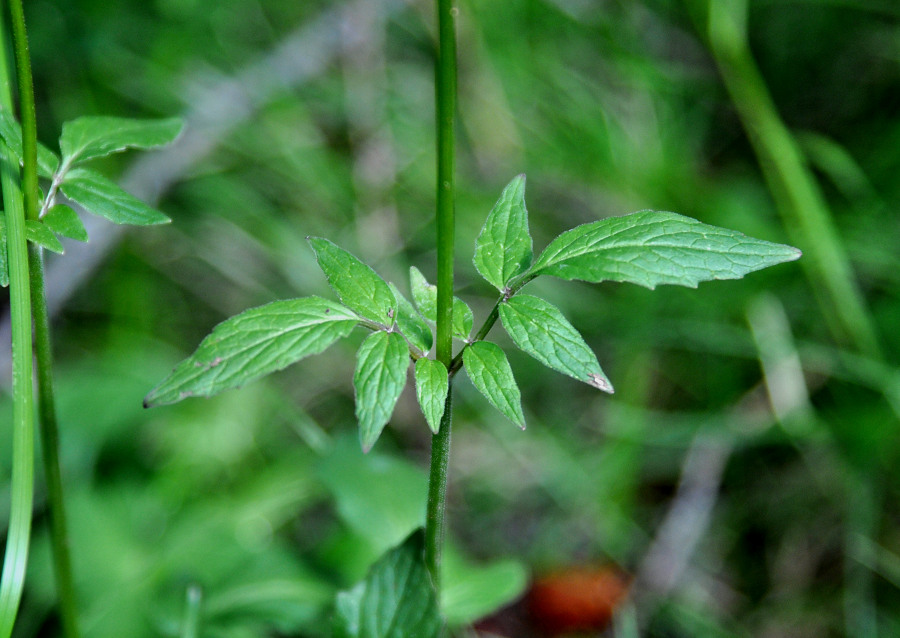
42 345
22 483
796 193
27 112
62 562
445 99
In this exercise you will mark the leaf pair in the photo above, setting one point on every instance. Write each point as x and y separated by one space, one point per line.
646 248
82 140
263 340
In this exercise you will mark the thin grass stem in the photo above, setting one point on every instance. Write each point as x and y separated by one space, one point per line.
15 560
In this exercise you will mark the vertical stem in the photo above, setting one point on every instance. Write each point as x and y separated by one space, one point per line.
43 350
445 98
22 485
62 562
26 108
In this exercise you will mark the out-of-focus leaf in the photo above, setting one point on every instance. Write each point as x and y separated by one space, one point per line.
411 323
100 196
396 599
64 221
90 137
380 497
503 248
379 378
471 592
488 368
650 248
37 232
357 286
11 132
425 298
432 385
541 330
255 343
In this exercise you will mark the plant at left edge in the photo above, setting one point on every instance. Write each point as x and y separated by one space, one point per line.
31 223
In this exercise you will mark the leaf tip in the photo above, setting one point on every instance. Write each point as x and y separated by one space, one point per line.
600 383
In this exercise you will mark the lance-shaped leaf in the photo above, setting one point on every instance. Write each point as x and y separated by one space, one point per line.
488 368
411 324
254 343
503 248
356 284
396 599
541 330
36 232
64 221
89 137
425 298
100 196
11 132
651 248
432 385
380 375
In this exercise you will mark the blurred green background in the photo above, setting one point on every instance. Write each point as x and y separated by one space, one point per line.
745 472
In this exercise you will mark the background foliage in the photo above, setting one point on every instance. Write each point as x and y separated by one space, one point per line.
740 508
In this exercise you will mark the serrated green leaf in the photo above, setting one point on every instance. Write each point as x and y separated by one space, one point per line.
64 221
11 132
650 248
357 286
90 137
541 330
100 196
4 265
411 323
255 343
488 368
503 248
36 232
396 599
432 385
380 375
425 298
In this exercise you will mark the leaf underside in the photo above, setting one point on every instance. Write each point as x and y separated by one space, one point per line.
396 599
503 248
380 375
650 248
538 328
488 368
255 343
